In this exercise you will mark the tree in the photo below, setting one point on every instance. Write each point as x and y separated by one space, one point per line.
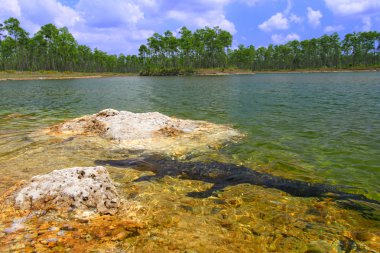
186 47
47 43
18 40
144 53
66 50
53 48
2 62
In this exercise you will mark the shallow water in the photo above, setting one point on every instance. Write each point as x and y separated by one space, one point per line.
312 127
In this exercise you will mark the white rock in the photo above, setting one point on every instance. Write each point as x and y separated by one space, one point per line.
84 188
151 131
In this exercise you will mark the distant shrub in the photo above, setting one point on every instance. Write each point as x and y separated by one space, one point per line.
166 72
48 72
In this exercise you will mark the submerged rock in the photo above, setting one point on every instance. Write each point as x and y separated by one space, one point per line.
83 188
150 131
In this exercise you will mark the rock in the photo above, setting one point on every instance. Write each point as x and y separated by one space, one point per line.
17 225
53 229
107 113
150 131
82 188
17 246
68 228
363 235
49 240
319 247
121 236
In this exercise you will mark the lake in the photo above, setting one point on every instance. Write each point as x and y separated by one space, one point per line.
315 127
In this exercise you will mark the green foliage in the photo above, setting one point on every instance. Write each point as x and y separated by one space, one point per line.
166 72
355 50
55 49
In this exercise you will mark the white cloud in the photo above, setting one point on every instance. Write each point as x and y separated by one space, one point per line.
209 18
277 22
34 13
212 3
9 8
364 10
250 2
148 3
48 11
350 7
288 7
142 34
295 19
112 25
314 17
109 40
332 28
280 39
117 25
281 20
217 20
177 15
367 23
109 13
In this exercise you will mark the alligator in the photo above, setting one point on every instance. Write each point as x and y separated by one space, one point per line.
222 175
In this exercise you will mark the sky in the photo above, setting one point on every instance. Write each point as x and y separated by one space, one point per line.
121 26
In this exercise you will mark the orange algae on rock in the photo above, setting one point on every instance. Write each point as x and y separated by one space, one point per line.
83 125
169 131
62 232
40 216
159 217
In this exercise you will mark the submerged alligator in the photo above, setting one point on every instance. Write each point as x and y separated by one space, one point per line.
223 175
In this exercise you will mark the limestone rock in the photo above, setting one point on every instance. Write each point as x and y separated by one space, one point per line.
83 188
151 131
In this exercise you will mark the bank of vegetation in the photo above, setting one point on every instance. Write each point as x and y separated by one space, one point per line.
55 49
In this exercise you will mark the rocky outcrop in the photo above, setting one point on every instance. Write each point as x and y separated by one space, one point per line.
150 131
83 188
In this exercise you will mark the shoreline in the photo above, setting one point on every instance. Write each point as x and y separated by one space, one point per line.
47 78
27 76
297 71
317 71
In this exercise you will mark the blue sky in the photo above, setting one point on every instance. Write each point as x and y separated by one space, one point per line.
120 26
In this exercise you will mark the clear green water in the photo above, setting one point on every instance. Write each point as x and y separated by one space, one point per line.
312 127
318 127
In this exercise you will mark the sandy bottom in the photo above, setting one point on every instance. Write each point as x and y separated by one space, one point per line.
159 216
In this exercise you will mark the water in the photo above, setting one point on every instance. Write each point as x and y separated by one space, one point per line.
322 127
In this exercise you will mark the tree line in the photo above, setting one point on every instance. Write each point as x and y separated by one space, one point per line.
360 49
56 49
